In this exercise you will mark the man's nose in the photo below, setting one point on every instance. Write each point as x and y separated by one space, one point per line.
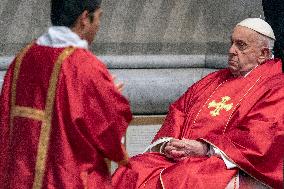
232 50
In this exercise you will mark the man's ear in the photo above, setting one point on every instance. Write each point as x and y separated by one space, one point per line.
84 19
81 25
265 54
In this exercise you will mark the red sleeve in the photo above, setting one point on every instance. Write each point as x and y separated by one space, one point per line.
97 108
5 119
173 123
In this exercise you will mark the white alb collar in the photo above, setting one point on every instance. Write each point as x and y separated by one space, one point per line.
60 37
250 71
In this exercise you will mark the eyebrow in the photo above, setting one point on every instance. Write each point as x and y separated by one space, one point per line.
238 40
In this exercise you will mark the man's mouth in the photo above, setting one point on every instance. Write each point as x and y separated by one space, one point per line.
232 63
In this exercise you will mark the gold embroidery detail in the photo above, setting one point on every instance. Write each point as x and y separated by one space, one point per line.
125 159
108 163
187 120
27 112
46 126
240 102
84 178
161 179
44 116
235 181
220 106
14 83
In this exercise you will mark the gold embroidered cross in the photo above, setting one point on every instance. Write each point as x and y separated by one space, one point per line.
220 106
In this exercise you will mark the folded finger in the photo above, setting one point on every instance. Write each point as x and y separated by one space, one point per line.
177 153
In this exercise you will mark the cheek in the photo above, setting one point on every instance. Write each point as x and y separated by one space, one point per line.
245 55
242 59
250 58
96 26
247 60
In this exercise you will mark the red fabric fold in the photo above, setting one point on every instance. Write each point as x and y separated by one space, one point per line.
250 133
89 118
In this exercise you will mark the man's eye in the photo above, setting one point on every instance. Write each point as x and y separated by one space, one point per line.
241 45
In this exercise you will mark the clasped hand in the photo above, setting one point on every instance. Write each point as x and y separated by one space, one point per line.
180 149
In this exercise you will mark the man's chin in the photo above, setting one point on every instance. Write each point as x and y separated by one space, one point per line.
234 71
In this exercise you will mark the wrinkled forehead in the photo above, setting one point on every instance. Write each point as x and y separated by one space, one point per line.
244 34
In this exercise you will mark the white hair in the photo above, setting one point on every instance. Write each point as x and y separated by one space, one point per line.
270 43
266 42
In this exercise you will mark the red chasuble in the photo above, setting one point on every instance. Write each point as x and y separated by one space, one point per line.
243 117
61 116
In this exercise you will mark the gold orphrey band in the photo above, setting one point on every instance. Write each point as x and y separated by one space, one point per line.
45 116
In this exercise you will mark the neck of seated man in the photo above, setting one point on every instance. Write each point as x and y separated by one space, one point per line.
243 73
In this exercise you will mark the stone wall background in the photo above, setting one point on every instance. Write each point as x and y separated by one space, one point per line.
137 26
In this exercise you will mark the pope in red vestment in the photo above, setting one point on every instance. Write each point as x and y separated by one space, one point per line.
242 117
60 117
250 133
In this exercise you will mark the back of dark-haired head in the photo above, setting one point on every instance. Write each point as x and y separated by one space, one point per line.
66 12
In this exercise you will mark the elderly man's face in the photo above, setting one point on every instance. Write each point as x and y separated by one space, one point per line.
244 51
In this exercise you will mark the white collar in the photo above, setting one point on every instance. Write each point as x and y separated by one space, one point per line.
60 37
250 71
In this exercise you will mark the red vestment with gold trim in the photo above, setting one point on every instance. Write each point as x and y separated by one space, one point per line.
243 117
60 140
